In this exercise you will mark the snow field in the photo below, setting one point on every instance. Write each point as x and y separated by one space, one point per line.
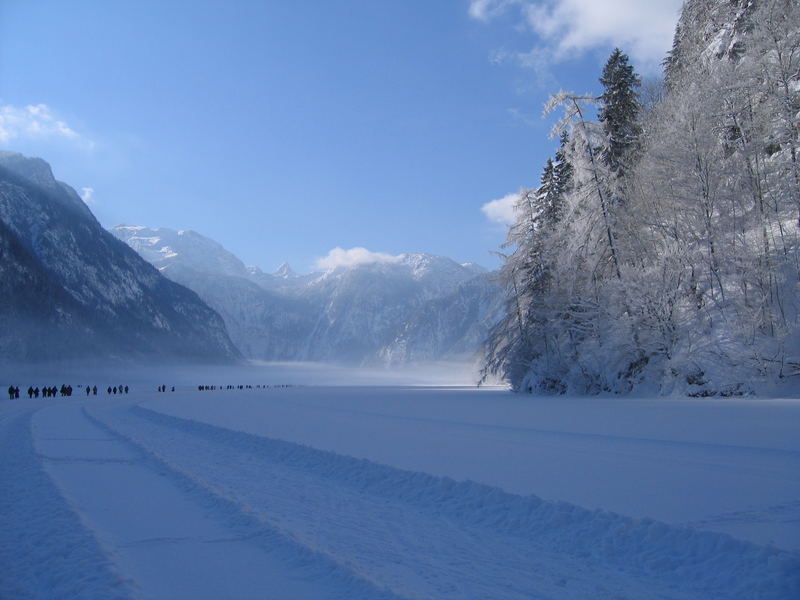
728 466
426 536
397 493
168 532
46 548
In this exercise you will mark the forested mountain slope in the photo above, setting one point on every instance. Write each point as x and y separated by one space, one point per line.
661 251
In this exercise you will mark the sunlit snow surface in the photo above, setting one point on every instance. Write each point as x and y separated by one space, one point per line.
369 491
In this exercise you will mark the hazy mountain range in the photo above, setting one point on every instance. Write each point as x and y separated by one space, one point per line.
407 308
72 290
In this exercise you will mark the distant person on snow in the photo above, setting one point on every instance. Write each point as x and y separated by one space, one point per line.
94 390
11 392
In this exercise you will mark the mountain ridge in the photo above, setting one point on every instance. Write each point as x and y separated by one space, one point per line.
364 313
107 302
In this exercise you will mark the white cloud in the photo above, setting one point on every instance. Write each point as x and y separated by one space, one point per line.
568 28
87 195
502 209
484 10
339 257
35 122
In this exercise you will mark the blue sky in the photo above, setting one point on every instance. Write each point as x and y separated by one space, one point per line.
285 129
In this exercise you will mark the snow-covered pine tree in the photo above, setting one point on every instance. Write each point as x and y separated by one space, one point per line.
593 177
563 178
517 340
619 112
548 195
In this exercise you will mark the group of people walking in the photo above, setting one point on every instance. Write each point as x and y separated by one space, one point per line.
46 391
50 392
64 390
212 388
111 390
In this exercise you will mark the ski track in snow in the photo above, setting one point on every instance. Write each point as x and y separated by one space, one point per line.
683 463
431 537
113 500
167 532
46 549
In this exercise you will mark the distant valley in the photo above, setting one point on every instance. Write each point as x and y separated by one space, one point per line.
411 308
72 290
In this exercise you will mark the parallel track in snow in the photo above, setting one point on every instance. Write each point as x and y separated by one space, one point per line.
46 549
113 500
169 535
417 535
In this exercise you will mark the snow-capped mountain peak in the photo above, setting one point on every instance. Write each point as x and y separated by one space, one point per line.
285 271
167 248
474 267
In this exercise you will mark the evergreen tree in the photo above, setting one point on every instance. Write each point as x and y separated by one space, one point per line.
563 171
515 341
619 112
548 195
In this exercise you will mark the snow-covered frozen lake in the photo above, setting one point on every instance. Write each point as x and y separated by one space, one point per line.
397 492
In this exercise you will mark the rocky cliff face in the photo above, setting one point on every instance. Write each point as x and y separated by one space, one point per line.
709 28
73 290
417 307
